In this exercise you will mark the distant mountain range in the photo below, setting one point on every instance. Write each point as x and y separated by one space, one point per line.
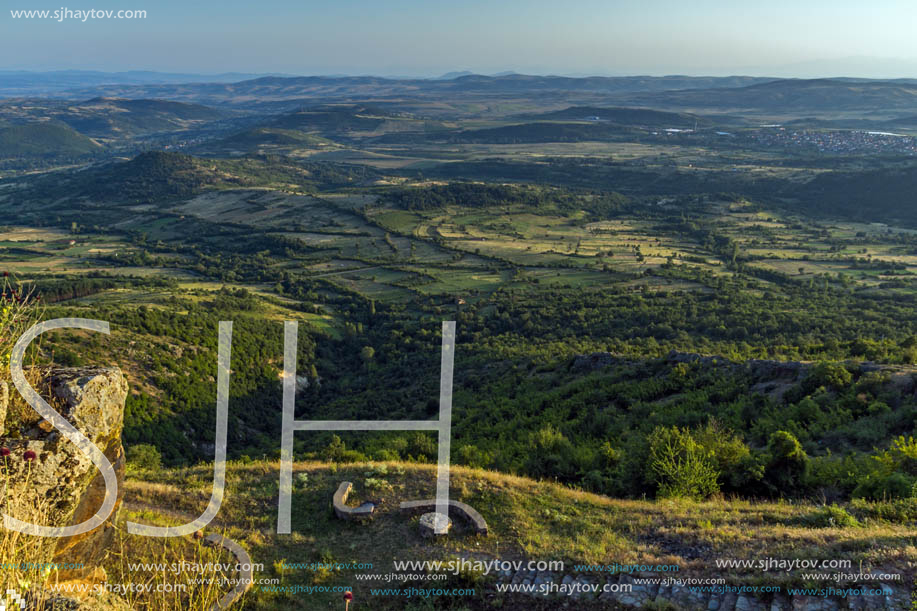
712 94
15 83
621 100
792 95
310 89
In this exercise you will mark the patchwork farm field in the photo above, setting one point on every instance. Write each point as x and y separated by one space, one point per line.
358 243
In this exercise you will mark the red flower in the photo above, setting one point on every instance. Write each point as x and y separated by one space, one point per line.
6 274
348 595
4 452
29 455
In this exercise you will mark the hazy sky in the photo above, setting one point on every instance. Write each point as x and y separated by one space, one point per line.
408 37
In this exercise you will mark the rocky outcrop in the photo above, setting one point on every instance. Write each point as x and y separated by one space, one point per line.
466 511
641 591
49 473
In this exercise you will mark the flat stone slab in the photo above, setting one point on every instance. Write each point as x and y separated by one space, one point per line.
344 512
435 524
466 511
245 578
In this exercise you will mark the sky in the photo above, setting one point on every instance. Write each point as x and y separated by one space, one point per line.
426 38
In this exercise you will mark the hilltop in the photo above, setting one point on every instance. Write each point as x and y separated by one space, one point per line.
44 139
528 520
159 177
794 96
104 117
625 116
122 117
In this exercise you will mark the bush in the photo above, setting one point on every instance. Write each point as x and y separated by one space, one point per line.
737 466
830 375
334 451
144 456
902 511
901 456
682 468
833 474
878 488
831 516
551 455
788 464
473 456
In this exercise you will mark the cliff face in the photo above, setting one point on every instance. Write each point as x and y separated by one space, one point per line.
60 481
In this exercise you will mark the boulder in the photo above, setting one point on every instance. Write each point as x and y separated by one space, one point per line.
435 524
62 480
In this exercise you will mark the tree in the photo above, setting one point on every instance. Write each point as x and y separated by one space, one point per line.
680 466
144 456
788 465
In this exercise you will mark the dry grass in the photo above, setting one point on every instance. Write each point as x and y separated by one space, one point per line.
24 559
188 574
527 519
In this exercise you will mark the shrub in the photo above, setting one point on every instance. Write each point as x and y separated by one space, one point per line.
831 516
473 456
830 375
788 464
144 456
737 466
901 456
376 484
878 488
334 451
840 474
422 447
682 468
551 455
902 511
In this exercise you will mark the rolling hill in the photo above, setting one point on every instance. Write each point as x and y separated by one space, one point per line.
626 116
255 138
114 118
540 131
108 117
365 87
44 139
527 520
793 95
330 119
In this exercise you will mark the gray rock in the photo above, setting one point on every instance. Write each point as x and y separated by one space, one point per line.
636 598
744 603
814 603
435 524
64 481
728 601
684 597
780 603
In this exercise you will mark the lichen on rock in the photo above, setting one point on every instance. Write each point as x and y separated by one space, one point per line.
47 471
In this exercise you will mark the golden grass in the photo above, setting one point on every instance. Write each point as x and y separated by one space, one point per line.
23 558
527 519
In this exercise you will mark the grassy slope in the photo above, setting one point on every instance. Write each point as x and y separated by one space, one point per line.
36 139
527 519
